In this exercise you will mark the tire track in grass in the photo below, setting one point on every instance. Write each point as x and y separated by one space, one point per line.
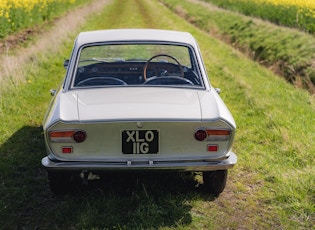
128 14
146 13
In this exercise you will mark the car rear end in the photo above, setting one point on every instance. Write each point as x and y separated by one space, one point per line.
137 100
156 132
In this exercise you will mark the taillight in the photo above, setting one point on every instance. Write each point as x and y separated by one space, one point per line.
212 134
79 136
68 136
201 135
218 135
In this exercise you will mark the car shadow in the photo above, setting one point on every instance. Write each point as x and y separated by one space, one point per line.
123 200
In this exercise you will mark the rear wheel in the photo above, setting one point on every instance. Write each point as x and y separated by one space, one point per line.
215 181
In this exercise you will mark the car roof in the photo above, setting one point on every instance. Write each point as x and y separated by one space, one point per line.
134 35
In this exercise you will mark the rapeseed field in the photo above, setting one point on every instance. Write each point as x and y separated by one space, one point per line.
19 14
297 3
306 7
292 13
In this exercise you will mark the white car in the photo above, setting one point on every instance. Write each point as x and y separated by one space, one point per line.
137 99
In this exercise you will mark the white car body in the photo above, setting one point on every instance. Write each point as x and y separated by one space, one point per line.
119 122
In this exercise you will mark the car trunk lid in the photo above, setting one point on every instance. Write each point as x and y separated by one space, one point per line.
134 103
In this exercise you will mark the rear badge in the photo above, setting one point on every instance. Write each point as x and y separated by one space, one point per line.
139 124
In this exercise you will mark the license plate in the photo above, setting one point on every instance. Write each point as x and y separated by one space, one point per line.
140 141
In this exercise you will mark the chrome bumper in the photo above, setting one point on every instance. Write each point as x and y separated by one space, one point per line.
142 165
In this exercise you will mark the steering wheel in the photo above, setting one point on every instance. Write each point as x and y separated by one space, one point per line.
162 55
101 81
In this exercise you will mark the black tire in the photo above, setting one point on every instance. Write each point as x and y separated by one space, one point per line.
60 182
215 181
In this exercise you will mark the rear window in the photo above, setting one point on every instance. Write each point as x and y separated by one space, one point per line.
137 64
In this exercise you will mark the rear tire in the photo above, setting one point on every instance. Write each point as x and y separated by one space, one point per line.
215 181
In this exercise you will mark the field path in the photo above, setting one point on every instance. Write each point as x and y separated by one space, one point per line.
11 62
271 187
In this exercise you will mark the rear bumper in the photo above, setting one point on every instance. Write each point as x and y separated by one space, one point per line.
196 165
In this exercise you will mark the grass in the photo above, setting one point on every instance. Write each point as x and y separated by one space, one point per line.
289 53
272 186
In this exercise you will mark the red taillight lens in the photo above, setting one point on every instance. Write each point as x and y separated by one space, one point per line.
79 136
67 136
212 148
66 150
200 135
212 134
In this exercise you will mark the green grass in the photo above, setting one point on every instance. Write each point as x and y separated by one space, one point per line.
287 52
271 187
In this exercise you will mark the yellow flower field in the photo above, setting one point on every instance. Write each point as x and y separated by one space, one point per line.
18 14
293 13
26 5
297 3
307 6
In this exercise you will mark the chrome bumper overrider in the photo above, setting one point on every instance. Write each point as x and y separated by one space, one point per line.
142 165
